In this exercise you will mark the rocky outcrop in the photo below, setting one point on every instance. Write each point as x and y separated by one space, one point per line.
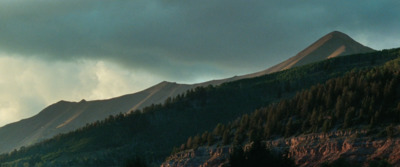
355 146
201 157
307 150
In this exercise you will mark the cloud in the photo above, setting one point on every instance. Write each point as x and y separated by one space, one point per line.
28 85
179 38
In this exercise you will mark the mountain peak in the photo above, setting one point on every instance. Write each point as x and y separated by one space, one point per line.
340 38
166 83
338 34
331 45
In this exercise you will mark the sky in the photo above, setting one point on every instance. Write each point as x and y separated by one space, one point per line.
53 50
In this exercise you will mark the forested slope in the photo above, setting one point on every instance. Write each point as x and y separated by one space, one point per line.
364 100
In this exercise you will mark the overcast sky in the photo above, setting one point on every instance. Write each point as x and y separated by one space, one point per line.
53 50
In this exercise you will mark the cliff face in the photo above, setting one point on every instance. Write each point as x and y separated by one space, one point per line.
306 150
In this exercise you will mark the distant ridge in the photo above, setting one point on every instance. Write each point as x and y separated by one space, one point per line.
65 116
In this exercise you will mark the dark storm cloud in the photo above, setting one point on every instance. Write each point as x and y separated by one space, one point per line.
181 38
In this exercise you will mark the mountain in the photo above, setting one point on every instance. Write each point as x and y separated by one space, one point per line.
351 119
331 45
65 116
156 129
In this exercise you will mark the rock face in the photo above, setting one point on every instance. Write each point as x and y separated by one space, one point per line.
355 146
306 150
201 157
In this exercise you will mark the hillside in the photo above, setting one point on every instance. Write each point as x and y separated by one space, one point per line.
355 117
66 116
153 131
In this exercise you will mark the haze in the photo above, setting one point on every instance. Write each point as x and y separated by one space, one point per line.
94 49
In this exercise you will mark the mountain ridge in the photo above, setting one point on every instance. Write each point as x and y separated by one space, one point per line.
68 116
157 128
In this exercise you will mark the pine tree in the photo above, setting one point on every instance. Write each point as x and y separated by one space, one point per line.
189 143
210 139
226 138
289 128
